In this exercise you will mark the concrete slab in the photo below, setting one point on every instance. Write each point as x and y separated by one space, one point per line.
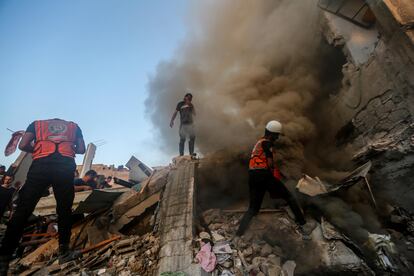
176 224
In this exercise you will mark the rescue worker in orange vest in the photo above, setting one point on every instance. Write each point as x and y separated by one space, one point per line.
53 144
263 176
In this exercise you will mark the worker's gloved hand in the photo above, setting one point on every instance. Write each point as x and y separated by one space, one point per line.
277 174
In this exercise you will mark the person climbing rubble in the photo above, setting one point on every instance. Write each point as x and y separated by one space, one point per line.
87 182
263 176
53 144
187 111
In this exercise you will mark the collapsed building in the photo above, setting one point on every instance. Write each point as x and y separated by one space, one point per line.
181 219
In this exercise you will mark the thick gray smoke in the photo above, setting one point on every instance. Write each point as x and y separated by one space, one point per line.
246 62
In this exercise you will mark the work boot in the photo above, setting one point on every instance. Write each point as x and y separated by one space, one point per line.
4 265
67 255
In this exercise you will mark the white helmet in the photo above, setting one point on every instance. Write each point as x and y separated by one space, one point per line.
274 126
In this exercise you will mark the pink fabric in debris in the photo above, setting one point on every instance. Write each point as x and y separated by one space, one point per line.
206 258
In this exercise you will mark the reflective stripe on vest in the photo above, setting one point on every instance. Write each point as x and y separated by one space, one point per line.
258 159
54 136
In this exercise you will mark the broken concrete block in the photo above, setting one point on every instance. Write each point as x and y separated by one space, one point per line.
257 261
311 186
289 268
248 251
217 237
266 250
273 259
256 248
204 235
274 270
138 171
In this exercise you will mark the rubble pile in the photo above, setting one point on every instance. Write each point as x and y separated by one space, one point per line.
263 251
114 233
118 256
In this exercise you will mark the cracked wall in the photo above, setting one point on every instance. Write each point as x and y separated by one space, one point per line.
375 106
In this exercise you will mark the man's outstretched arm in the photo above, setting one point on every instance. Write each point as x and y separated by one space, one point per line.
173 118
26 142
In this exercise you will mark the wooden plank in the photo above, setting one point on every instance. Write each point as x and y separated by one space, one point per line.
46 250
96 246
135 212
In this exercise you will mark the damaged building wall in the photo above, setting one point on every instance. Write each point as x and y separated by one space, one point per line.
375 104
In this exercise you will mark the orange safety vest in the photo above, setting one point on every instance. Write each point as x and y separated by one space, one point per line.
54 136
258 159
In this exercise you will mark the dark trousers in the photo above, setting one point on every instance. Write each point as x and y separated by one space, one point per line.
261 181
40 176
6 196
187 130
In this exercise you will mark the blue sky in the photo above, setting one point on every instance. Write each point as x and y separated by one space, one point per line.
87 61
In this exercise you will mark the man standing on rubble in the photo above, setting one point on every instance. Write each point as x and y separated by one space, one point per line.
187 111
263 176
53 144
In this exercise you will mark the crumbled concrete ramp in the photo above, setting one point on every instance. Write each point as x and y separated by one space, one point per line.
176 220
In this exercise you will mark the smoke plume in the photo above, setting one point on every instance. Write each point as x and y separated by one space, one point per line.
246 62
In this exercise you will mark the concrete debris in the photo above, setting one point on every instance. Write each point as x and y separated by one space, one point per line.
262 250
138 171
98 200
403 220
385 250
311 186
135 211
216 236
288 268
101 216
314 186
205 235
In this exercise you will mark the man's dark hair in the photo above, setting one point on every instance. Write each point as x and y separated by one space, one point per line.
91 173
10 175
2 167
188 94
